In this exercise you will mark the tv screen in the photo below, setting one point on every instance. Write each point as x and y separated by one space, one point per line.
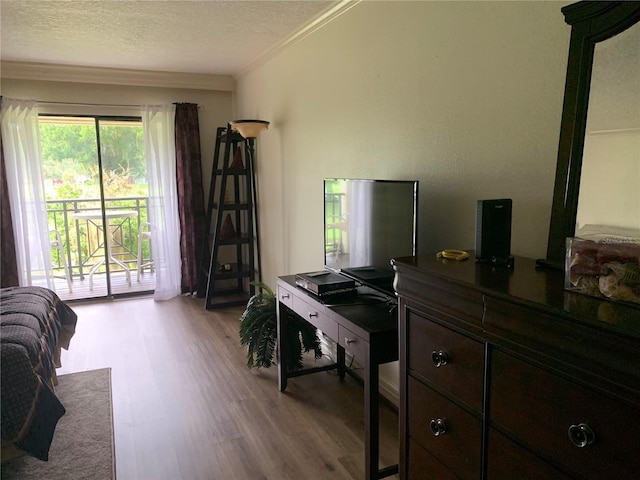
367 223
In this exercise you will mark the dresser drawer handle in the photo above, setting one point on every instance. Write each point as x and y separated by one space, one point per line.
284 296
581 435
349 341
438 427
313 314
439 358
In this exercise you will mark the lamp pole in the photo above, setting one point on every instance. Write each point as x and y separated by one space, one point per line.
254 199
250 130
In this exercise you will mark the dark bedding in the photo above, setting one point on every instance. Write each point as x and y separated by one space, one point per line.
35 324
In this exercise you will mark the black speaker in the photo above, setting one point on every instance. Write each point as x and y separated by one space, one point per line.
493 230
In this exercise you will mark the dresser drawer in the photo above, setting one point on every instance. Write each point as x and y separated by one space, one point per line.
598 351
352 343
448 359
421 464
285 296
441 294
545 410
450 433
508 460
316 316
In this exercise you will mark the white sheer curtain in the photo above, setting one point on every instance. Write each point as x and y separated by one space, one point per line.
25 181
159 141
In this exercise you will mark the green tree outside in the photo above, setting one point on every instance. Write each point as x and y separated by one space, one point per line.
71 172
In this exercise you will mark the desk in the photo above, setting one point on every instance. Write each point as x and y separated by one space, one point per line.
368 331
92 216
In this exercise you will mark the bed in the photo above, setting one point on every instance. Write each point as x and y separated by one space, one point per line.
34 325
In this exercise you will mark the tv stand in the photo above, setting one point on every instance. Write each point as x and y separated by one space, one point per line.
367 330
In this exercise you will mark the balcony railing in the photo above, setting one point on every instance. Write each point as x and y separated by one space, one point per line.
79 222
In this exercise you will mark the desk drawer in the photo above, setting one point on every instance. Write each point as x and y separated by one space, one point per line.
543 410
460 359
459 445
285 296
314 315
352 343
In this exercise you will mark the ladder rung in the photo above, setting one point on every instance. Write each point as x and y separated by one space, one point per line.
231 206
232 171
237 271
228 300
235 206
234 137
233 240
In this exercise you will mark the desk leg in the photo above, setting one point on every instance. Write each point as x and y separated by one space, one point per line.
371 418
372 421
282 332
340 361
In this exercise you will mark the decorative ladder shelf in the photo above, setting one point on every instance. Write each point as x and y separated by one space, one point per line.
228 267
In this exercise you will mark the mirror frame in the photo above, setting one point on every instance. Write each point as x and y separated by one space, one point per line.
591 22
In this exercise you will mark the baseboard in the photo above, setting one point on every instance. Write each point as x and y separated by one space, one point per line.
390 392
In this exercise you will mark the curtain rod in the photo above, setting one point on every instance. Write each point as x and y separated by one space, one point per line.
80 104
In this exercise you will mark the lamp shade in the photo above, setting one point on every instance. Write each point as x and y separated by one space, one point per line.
249 128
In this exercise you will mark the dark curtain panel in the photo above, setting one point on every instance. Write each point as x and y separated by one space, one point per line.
8 260
190 193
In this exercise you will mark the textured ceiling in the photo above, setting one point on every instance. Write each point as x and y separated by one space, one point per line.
193 36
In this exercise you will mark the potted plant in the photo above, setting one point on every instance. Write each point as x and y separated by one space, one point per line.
259 332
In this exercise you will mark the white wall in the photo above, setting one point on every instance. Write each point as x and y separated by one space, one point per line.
610 180
466 97
214 106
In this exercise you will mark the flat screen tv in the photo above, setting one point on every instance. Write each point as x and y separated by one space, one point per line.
366 224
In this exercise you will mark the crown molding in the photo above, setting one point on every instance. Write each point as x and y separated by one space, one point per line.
320 21
147 78
115 76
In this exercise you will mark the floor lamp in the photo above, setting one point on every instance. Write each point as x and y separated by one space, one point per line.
250 130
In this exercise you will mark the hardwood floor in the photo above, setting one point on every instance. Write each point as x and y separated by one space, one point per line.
186 406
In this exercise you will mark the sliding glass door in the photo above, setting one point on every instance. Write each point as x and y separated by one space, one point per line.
97 194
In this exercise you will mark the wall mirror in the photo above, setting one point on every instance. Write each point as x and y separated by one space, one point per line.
610 177
598 169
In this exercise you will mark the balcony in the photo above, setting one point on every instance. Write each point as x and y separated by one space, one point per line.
79 222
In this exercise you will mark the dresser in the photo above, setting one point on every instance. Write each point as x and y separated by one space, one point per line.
505 375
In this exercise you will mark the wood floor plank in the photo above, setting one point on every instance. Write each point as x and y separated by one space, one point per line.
187 407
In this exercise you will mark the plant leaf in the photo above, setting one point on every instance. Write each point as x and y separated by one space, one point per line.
259 330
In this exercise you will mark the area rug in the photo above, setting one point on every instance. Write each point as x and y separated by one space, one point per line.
82 446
